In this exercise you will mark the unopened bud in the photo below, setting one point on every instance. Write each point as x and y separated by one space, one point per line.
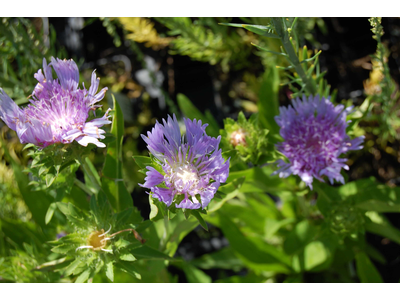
238 137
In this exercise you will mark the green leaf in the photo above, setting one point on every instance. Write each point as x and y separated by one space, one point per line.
272 226
63 248
268 102
71 268
50 213
178 228
63 207
19 232
54 265
83 277
127 257
146 252
226 192
199 218
157 209
232 24
384 230
38 202
110 271
50 179
315 254
232 186
375 254
303 233
260 180
94 175
266 257
121 243
74 211
95 208
193 274
222 259
80 223
262 30
128 268
101 208
112 181
191 112
379 206
69 238
78 197
270 51
123 217
366 270
142 161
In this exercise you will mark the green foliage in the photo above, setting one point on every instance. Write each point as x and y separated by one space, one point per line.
381 90
92 249
204 40
54 165
63 229
366 269
307 78
112 181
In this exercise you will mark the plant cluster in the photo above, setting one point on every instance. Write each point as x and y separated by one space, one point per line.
273 183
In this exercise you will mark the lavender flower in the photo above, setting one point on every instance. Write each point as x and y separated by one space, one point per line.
315 136
191 165
59 109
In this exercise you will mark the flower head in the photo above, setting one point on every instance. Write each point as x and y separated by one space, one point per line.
59 109
314 133
190 165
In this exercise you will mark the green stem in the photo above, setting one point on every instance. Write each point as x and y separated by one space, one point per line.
285 38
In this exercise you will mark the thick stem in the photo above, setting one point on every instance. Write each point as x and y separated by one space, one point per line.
285 38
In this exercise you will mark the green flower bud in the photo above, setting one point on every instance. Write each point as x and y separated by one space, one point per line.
246 137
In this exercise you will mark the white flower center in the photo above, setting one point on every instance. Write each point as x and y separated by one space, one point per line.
185 173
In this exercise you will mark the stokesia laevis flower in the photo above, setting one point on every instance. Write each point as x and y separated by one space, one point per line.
191 165
314 133
58 109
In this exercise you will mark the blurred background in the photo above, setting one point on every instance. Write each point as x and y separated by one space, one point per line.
147 62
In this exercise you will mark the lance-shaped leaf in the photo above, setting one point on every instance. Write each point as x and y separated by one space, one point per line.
190 111
366 270
112 182
268 103
265 258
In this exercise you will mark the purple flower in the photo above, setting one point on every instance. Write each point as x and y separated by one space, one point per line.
314 133
191 165
59 109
